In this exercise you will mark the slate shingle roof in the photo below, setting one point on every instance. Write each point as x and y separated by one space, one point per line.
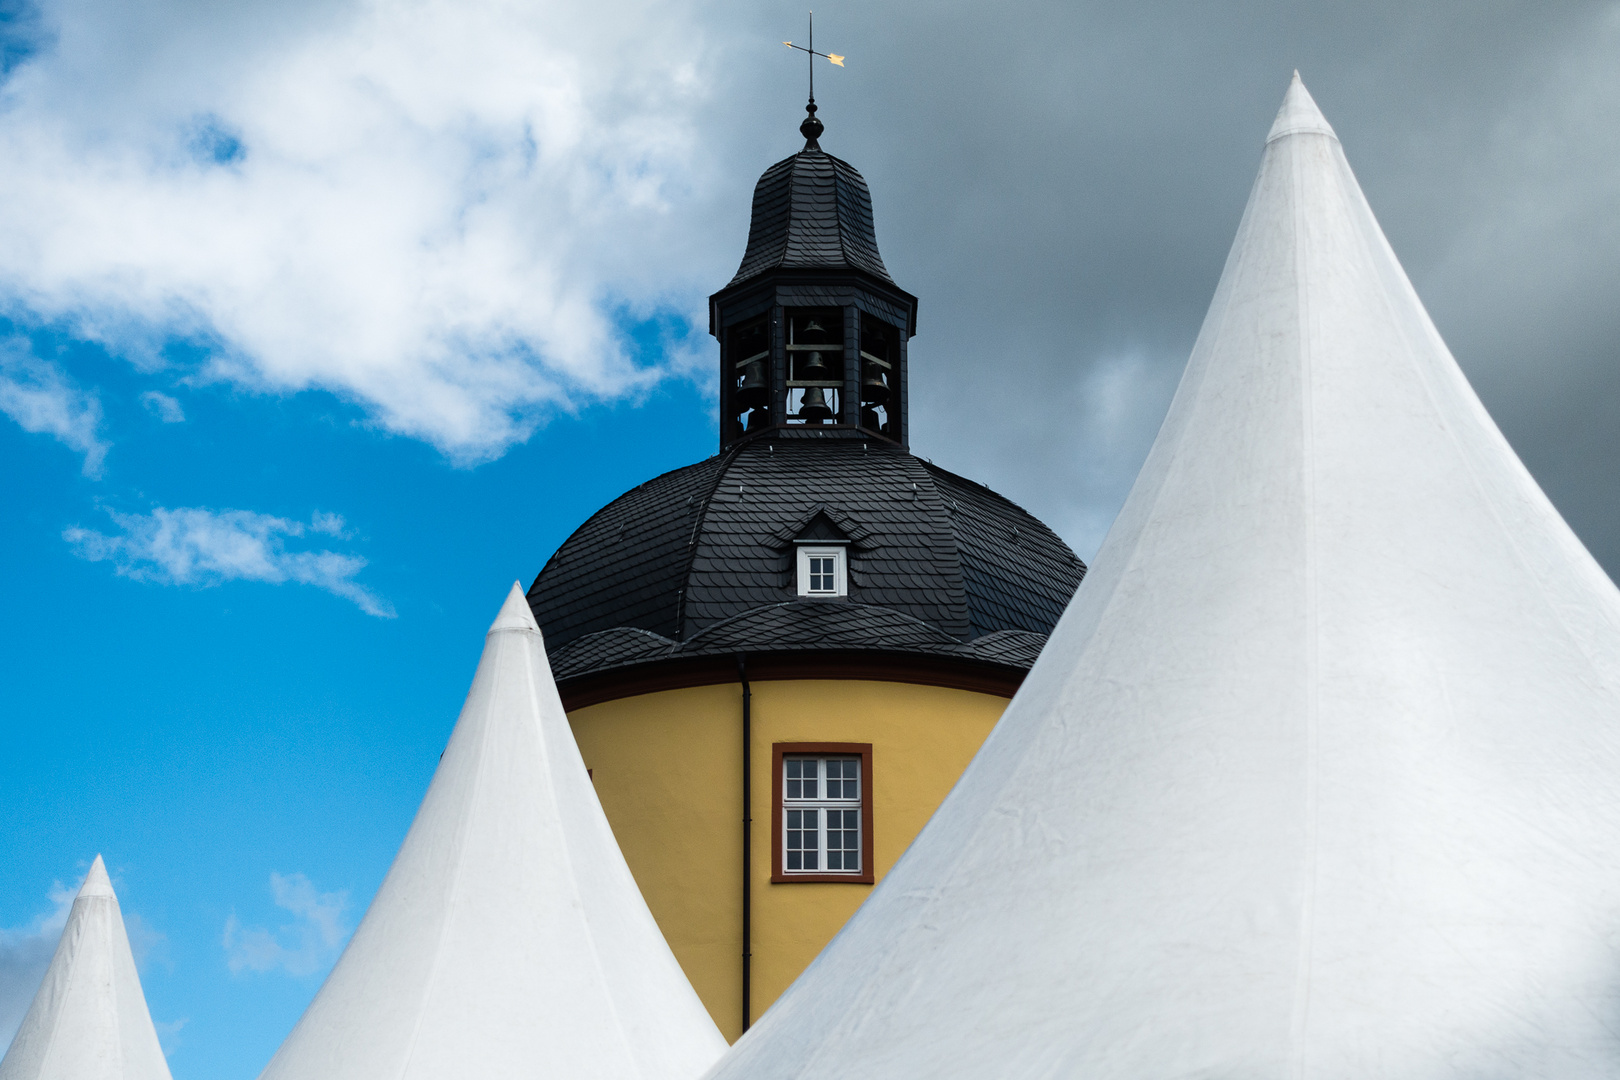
1007 558
701 561
811 210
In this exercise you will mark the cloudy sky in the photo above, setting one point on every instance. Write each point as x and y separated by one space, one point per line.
321 322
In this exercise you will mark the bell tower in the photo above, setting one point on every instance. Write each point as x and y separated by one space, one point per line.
813 332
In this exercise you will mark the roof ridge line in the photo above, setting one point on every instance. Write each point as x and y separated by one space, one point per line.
598 513
839 602
792 163
691 540
854 178
913 462
838 213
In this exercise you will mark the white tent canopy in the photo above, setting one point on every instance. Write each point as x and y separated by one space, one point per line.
1319 776
89 1020
508 939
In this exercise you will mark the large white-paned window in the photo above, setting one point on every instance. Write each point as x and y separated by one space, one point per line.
823 812
823 571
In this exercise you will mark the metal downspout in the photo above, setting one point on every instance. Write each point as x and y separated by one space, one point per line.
747 835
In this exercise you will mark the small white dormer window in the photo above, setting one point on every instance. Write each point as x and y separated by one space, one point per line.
823 571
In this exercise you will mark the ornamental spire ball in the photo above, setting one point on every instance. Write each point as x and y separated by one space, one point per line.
1315 778
811 128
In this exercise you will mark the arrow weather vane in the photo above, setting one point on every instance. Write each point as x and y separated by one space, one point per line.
811 55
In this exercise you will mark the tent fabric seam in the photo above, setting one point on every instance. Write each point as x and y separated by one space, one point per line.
110 951
463 828
568 861
65 991
1307 913
1467 459
1555 609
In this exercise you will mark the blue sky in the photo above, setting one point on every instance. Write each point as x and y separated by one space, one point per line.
293 389
322 321
206 735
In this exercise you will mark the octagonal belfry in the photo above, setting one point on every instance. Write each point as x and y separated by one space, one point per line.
812 330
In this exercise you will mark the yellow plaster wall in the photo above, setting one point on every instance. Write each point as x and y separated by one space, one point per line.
666 767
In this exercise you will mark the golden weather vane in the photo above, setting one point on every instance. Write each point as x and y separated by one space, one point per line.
811 55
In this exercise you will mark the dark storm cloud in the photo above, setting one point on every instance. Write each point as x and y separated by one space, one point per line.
1059 183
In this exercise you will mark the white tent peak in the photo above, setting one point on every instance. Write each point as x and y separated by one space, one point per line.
96 882
1315 778
1299 114
88 1021
515 613
508 940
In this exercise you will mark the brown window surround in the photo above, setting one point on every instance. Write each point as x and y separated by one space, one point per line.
861 750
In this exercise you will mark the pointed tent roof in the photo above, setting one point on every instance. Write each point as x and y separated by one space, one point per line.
89 1020
1316 777
508 939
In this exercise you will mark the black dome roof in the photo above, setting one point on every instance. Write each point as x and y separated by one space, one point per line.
700 562
811 211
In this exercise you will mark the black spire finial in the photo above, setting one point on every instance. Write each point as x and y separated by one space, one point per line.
811 128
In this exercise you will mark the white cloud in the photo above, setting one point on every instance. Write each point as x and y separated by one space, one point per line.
164 407
40 398
329 525
202 547
169 1034
303 946
148 944
431 207
25 953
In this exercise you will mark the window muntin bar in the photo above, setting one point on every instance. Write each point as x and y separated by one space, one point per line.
821 815
823 571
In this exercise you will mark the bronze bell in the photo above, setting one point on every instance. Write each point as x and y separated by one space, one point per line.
753 390
873 388
815 369
758 418
869 419
814 408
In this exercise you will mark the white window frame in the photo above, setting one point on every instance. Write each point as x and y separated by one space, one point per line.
840 557
822 805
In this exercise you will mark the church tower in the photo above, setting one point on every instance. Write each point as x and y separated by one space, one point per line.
777 661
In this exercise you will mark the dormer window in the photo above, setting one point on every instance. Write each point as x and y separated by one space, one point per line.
823 571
